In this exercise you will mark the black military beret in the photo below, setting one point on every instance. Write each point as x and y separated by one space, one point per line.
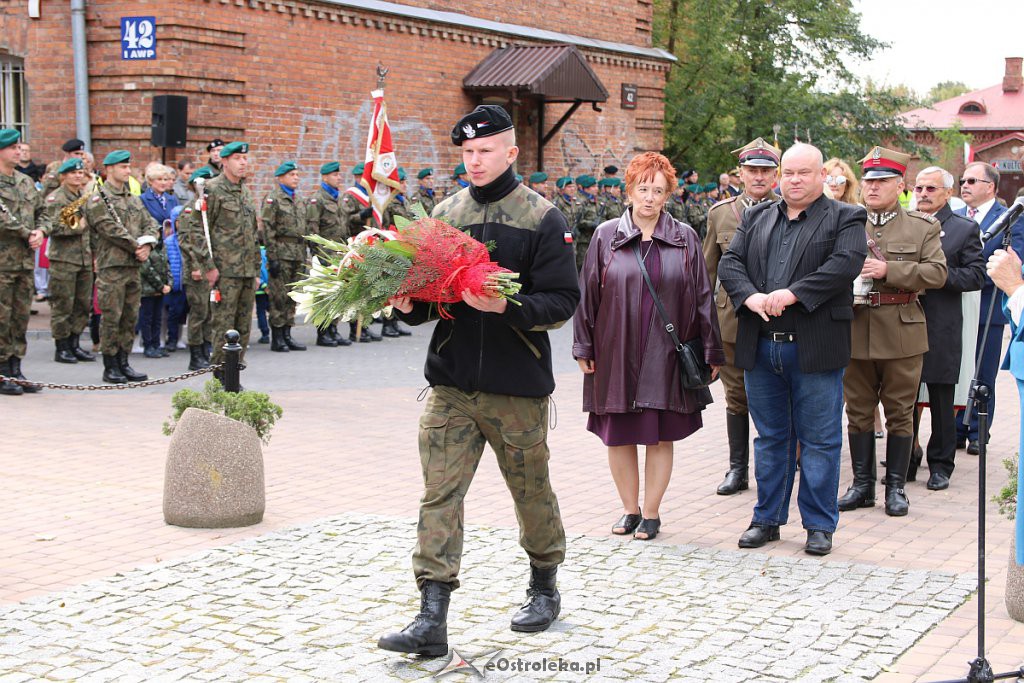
611 170
484 121
73 145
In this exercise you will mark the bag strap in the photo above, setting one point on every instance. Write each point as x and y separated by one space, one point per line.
669 327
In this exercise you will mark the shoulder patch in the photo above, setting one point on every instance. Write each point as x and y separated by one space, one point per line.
51 198
312 200
926 216
270 200
187 210
95 198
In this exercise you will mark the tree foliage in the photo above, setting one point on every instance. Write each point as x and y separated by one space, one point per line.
945 90
747 66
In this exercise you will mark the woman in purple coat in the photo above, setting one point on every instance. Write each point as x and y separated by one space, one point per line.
631 384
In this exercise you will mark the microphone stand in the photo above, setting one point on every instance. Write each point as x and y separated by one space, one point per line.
981 670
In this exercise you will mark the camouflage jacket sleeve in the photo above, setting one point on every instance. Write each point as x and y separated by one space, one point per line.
268 217
588 217
313 209
102 222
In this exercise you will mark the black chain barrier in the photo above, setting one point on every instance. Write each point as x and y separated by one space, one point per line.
110 387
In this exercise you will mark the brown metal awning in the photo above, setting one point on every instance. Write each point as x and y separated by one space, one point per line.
545 73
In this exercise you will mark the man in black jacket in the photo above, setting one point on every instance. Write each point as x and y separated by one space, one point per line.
490 369
788 272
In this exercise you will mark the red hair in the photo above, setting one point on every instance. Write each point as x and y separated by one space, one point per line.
644 167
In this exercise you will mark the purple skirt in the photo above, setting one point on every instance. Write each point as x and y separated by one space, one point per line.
645 428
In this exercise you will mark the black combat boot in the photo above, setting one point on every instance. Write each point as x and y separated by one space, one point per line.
277 342
112 370
292 344
80 353
9 388
324 337
15 364
63 354
897 459
130 373
428 633
543 603
364 335
332 329
737 478
196 358
861 493
389 328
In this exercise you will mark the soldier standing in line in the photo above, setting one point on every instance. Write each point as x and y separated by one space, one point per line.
461 179
194 252
424 195
759 164
234 268
610 172
676 205
73 149
213 162
538 182
612 205
398 206
284 233
357 212
124 233
70 257
324 216
588 217
565 201
21 232
696 211
890 336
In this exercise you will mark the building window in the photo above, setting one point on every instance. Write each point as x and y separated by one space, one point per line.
13 100
972 108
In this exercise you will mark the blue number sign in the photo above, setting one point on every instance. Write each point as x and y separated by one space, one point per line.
138 37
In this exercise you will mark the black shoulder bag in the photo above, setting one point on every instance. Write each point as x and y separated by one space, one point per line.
693 370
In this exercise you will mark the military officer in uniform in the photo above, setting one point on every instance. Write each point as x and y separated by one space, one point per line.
72 149
612 206
565 201
889 337
284 233
21 232
235 266
70 257
123 234
588 217
424 195
759 164
194 253
538 182
213 162
676 204
325 217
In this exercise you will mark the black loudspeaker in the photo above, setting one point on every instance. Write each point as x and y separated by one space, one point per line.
170 121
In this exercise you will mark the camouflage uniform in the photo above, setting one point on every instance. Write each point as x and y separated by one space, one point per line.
586 221
284 230
697 216
51 179
676 208
115 239
350 210
611 207
155 272
425 198
22 215
397 208
236 256
70 254
328 216
192 242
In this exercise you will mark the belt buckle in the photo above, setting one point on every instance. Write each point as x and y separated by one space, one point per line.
874 299
779 337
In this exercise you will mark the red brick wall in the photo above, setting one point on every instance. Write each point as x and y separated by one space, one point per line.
293 79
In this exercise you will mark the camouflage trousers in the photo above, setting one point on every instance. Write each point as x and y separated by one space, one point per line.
16 287
582 244
200 311
119 294
233 312
732 380
454 428
70 298
282 307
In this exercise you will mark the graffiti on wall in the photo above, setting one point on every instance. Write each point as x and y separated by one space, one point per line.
579 156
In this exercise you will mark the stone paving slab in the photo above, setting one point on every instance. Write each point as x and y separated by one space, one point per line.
308 603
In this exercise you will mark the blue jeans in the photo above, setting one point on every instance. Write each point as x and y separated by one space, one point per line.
788 406
262 306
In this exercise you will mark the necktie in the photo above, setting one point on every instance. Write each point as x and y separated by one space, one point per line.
971 212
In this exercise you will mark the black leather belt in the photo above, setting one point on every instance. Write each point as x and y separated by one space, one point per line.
781 337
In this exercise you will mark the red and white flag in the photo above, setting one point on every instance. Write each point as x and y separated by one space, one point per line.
380 172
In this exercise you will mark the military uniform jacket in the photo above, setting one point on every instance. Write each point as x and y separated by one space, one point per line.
427 201
325 217
233 230
570 209
191 242
397 208
51 179
116 236
284 226
912 248
67 245
155 273
24 214
611 207
350 210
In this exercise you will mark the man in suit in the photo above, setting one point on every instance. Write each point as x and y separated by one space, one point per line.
965 267
978 187
788 272
890 337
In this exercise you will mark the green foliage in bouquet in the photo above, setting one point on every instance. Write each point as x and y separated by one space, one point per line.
1006 499
249 407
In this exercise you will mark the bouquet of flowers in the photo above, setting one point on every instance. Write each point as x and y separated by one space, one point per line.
425 260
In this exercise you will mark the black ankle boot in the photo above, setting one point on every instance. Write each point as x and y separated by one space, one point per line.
897 459
861 493
737 478
292 344
9 388
196 358
389 328
130 373
332 329
15 365
324 337
277 342
428 632
78 351
63 354
112 370
543 603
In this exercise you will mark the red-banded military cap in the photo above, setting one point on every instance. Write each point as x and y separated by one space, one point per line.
883 163
758 152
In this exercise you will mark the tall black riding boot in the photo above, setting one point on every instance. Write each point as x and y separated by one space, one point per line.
9 388
130 373
737 478
292 344
63 354
76 348
196 358
428 632
324 337
897 458
112 370
861 493
277 342
543 603
15 364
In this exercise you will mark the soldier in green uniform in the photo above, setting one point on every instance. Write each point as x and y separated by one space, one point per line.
676 204
21 232
461 179
325 217
612 206
890 337
234 269
399 204
70 257
284 233
123 234
424 195
588 217
696 210
566 202
358 214
490 369
194 252
759 164
213 163
538 182
72 149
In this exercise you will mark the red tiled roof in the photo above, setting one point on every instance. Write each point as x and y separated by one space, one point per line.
1002 111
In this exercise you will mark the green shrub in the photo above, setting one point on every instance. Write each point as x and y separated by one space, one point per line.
1006 499
248 407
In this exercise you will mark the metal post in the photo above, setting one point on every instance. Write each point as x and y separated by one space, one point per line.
83 126
231 370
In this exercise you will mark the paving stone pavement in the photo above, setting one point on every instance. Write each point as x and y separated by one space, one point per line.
308 603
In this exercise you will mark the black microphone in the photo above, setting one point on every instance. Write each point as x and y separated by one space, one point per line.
1004 221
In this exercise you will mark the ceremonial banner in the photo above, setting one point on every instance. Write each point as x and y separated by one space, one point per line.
380 173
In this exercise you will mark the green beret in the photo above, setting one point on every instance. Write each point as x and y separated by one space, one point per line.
563 181
401 173
538 177
203 172
606 182
234 148
586 181
710 186
330 167
72 164
118 156
8 136
424 172
681 182
694 187
519 178
459 170
357 170
286 167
